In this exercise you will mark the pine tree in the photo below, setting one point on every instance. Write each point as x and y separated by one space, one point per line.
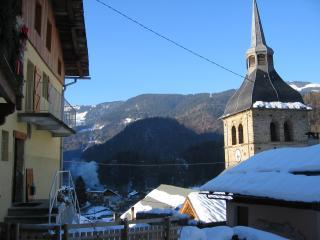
80 186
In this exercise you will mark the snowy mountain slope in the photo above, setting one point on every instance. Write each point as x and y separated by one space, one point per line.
305 87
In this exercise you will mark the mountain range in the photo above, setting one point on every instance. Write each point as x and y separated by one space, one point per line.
153 128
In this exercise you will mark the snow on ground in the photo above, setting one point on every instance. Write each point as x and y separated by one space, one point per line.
280 105
81 117
276 173
172 200
226 233
208 210
215 233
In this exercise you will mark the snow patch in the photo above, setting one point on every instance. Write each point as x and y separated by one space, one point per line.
281 105
81 118
127 120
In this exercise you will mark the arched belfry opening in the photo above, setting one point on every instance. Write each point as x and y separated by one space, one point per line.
287 129
274 132
234 135
240 134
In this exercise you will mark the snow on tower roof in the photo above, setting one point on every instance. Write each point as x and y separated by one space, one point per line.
289 174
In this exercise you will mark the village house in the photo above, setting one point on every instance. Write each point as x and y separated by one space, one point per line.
52 47
165 200
276 191
265 112
207 212
105 197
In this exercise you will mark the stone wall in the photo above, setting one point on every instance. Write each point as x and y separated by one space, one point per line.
256 132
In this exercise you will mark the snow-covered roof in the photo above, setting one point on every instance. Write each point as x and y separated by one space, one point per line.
163 197
290 174
97 212
208 210
281 105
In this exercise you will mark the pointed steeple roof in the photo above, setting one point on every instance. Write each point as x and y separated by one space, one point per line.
262 82
257 35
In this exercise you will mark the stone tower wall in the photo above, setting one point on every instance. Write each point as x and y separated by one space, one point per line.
247 147
256 132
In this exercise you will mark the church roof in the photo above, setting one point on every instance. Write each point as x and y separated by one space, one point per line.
261 86
262 83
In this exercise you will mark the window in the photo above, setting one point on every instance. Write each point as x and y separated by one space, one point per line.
261 59
38 18
287 128
234 135
5 146
252 61
240 134
49 35
45 86
243 216
274 132
59 67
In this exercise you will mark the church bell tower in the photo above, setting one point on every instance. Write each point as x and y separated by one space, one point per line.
265 112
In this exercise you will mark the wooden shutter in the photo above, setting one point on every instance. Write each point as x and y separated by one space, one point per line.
37 90
29 87
45 86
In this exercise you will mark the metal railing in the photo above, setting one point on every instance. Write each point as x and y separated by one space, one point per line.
43 97
63 197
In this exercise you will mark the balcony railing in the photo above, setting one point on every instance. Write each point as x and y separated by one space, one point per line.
46 108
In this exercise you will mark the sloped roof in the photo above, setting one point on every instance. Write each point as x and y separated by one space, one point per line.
208 210
261 86
288 174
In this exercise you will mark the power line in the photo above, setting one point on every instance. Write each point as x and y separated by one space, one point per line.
170 40
148 165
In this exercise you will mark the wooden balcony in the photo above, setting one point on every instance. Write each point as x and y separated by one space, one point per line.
46 108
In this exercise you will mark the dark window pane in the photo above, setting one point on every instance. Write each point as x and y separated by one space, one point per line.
49 35
38 18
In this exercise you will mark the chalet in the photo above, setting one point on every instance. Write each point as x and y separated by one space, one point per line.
204 210
53 47
165 200
106 197
276 191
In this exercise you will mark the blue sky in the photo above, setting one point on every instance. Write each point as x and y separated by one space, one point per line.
126 60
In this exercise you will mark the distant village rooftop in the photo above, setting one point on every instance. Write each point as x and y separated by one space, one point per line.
287 174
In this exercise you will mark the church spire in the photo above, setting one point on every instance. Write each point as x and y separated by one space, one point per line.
259 55
257 35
